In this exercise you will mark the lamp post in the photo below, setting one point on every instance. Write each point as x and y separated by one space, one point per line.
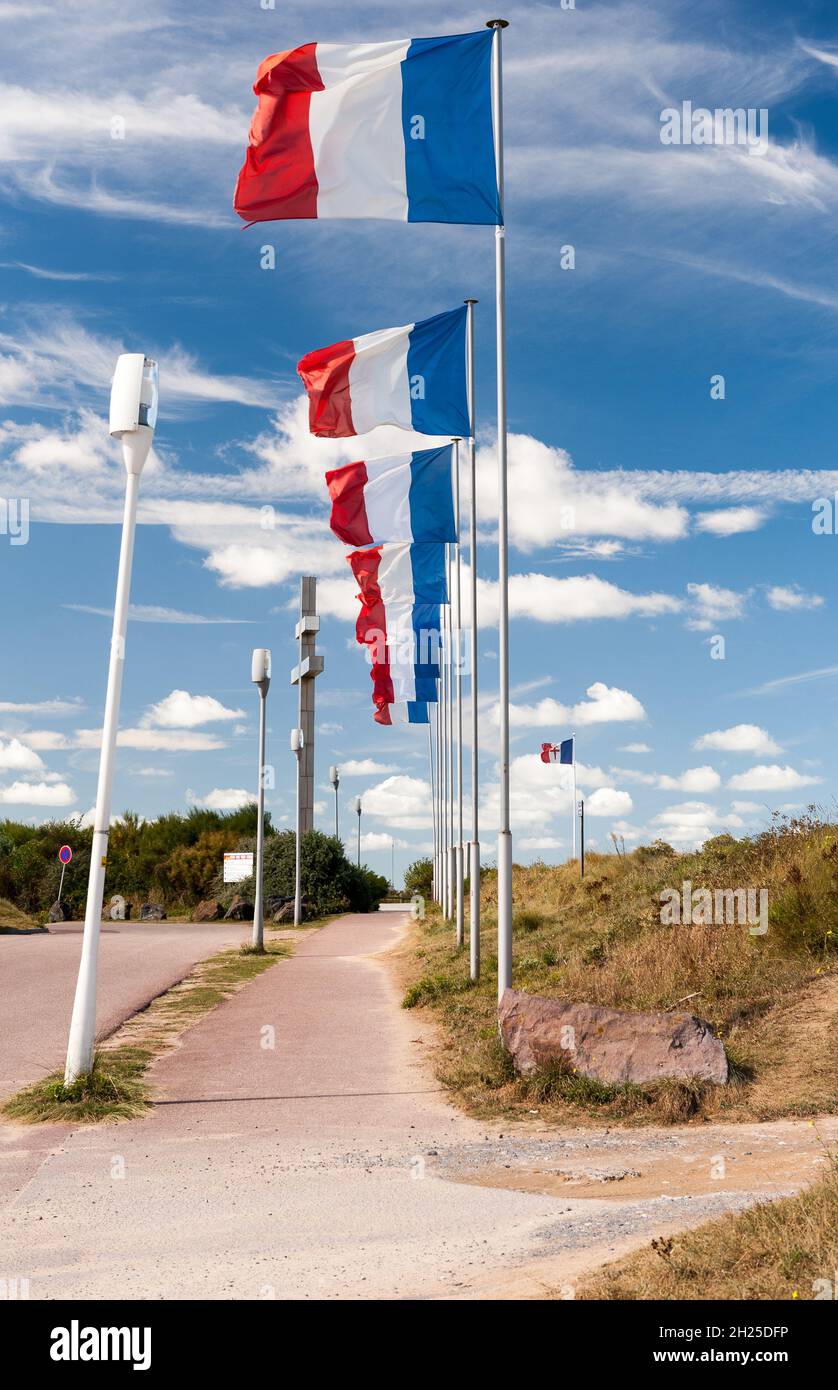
297 743
133 416
358 810
260 674
334 778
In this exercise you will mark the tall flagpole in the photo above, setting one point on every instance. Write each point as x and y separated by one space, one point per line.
458 648
474 844
437 708
452 857
433 803
443 732
504 829
573 736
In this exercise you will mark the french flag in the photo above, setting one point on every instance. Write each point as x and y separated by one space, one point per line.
399 130
401 589
413 377
411 712
408 498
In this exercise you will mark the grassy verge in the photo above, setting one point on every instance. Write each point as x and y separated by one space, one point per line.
777 1250
117 1088
13 921
773 999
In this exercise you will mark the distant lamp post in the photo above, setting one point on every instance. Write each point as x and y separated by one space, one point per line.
133 416
358 811
260 674
334 778
297 744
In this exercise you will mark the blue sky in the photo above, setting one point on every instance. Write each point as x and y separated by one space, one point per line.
647 518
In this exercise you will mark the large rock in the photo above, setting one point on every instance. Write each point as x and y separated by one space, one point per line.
59 913
608 1045
239 910
285 913
207 911
152 912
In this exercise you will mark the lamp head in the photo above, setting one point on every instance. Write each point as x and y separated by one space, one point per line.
333 777
133 410
260 668
358 805
297 741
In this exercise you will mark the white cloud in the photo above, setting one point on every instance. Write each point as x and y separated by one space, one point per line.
377 840
731 521
222 799
37 794
180 710
714 605
739 738
17 757
404 802
792 599
151 772
46 707
153 740
695 779
605 705
154 613
635 748
770 778
364 767
607 801
536 842
692 822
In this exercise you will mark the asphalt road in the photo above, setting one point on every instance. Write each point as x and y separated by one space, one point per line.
38 980
300 1147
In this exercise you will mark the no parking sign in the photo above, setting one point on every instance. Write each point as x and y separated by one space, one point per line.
65 854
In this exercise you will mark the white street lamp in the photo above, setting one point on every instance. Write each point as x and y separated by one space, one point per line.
358 812
133 416
334 778
297 744
260 674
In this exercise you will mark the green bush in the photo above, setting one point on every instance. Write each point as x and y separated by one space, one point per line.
330 882
419 878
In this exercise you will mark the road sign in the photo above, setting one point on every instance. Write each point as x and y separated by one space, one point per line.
237 867
65 854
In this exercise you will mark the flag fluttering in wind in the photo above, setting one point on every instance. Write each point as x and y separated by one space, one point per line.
400 130
407 498
412 712
413 377
558 753
401 588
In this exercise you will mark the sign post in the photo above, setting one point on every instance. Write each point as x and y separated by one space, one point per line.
65 854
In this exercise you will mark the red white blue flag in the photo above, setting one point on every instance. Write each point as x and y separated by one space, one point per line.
401 588
407 498
399 130
413 377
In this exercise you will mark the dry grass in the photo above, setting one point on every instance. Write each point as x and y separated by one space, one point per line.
773 999
776 1250
12 920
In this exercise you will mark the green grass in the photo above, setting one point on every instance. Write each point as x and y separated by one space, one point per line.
772 999
117 1087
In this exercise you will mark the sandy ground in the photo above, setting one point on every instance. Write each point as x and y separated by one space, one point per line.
301 1148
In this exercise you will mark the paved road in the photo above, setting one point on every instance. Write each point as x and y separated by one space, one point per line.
38 979
300 1148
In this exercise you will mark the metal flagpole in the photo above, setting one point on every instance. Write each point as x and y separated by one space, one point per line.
474 845
452 865
437 708
446 878
504 830
433 804
573 747
458 656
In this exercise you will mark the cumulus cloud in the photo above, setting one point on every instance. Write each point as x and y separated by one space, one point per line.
404 802
180 710
731 521
605 705
17 757
364 767
377 840
739 738
713 604
770 778
222 799
37 794
607 801
153 740
635 748
791 599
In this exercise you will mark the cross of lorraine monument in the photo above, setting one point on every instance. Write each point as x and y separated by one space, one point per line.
309 666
